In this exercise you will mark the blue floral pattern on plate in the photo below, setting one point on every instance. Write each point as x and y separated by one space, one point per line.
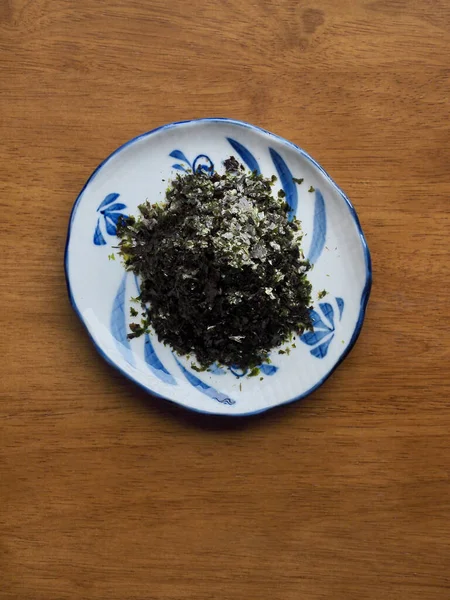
323 328
110 210
201 162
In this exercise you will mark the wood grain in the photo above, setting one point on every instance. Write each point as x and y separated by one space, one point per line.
106 493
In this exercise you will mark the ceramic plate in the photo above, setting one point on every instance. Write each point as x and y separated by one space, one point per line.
100 290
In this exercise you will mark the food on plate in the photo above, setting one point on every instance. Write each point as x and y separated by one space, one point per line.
222 273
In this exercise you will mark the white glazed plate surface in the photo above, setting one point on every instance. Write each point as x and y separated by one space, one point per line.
100 290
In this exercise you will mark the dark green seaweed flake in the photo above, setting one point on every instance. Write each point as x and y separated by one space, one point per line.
254 372
222 273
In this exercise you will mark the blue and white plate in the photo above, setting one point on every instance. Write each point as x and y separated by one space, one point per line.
101 291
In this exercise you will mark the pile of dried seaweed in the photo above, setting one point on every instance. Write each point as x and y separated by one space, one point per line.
222 273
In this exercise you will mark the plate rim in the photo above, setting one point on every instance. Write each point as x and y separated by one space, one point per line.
367 258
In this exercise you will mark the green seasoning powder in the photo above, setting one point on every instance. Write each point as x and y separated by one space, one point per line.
223 275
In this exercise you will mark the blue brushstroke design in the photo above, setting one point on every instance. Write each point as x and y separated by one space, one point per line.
99 240
265 368
322 350
268 369
110 209
114 217
317 322
154 364
203 163
109 199
245 154
203 387
319 229
314 337
118 323
328 312
179 156
322 334
111 228
289 187
151 358
237 372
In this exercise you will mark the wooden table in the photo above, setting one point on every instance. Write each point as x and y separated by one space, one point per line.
106 493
